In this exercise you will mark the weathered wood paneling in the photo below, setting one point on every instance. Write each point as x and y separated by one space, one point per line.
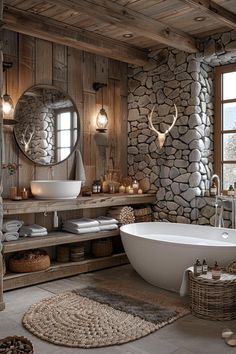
36 61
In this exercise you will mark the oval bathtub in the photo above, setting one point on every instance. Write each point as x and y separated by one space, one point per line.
160 251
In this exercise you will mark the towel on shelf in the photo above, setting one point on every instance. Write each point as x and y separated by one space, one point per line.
108 227
83 230
35 234
106 220
33 230
11 225
79 167
184 288
10 236
80 223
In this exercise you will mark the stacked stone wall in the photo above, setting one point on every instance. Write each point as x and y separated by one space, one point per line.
179 172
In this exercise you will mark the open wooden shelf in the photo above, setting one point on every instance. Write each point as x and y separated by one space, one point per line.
54 239
96 201
62 270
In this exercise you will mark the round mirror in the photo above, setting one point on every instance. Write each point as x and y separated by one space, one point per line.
47 128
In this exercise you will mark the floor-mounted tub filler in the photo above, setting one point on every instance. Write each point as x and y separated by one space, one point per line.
160 252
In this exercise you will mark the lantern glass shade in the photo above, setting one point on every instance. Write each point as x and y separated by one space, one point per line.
7 105
102 120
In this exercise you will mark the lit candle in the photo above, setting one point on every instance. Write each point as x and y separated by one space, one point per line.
135 186
131 190
122 189
127 189
140 191
24 193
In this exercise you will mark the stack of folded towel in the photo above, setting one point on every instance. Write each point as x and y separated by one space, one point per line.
10 229
107 223
81 226
33 230
86 225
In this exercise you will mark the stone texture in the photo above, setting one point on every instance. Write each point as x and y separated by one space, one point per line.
182 167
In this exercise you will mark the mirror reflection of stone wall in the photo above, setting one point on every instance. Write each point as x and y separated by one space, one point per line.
47 125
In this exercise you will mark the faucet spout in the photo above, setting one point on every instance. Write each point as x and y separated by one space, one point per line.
215 176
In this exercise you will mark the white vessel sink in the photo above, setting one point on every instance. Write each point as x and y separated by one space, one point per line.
60 189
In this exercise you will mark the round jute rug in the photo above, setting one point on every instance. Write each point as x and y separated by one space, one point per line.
75 321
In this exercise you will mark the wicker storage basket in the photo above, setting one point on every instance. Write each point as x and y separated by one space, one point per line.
102 248
63 253
213 299
16 344
143 214
29 261
77 253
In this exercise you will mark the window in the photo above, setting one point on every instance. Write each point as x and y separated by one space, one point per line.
66 132
225 124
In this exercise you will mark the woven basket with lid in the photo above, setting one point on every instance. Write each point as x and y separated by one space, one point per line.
213 299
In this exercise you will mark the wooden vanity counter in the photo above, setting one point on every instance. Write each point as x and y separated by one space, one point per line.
54 238
11 207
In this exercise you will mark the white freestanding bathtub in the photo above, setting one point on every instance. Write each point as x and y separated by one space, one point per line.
160 251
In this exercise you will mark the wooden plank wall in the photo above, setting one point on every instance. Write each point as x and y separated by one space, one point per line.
36 61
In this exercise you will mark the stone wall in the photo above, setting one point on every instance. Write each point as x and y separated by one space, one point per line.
180 171
36 117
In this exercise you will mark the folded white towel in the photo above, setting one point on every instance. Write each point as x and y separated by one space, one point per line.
80 223
33 230
35 234
11 225
83 230
108 227
10 236
106 220
184 288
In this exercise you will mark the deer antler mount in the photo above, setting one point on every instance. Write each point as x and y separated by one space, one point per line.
161 137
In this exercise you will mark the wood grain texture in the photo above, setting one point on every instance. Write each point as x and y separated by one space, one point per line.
127 19
42 62
54 239
214 10
2 305
62 270
48 29
80 203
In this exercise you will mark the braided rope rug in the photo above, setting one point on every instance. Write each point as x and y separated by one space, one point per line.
95 317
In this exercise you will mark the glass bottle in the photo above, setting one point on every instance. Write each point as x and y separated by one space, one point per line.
216 272
94 187
204 266
197 268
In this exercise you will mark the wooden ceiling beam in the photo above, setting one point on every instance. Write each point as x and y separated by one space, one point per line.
132 21
51 30
214 10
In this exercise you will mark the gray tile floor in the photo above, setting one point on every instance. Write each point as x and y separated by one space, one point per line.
187 335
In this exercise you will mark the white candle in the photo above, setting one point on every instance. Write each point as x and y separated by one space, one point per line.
140 191
135 186
131 190
122 189
127 189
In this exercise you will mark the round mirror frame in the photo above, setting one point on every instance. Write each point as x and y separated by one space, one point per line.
25 146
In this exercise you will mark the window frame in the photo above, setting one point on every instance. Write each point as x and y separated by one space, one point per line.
72 129
218 120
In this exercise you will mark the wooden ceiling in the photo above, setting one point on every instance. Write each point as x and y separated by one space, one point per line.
121 29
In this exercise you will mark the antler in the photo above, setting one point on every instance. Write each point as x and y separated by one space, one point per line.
161 136
24 142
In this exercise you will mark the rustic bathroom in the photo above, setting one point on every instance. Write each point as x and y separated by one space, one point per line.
118 176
